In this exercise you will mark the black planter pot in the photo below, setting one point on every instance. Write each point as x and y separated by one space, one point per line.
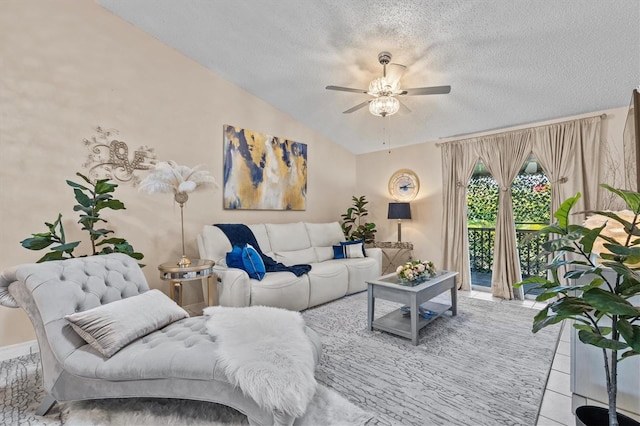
588 415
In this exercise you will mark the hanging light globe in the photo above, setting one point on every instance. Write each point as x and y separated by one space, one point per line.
383 106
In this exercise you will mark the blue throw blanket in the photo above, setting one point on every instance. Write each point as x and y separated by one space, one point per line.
239 235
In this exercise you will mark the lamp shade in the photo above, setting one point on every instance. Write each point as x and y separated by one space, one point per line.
399 211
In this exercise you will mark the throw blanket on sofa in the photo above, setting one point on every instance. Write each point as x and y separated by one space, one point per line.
266 353
239 235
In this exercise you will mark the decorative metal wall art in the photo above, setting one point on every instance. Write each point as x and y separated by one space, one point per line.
263 172
109 158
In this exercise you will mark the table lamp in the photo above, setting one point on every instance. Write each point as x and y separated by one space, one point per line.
399 211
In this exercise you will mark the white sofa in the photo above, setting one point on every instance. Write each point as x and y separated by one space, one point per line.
290 244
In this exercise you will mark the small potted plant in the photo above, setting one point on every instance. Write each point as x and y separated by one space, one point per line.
353 225
604 255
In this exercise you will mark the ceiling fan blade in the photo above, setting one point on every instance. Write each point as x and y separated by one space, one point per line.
394 72
345 89
357 107
435 90
403 108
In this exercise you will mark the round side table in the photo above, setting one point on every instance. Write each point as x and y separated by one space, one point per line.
176 275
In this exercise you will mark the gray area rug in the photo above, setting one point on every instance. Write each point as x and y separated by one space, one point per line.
482 367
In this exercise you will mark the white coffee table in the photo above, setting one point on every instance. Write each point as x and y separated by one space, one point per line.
389 287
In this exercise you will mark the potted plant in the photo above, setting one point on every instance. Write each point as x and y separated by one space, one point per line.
604 255
353 226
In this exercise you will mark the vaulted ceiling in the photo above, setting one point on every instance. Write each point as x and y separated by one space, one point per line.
509 62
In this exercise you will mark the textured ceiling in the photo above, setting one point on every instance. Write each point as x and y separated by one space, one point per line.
508 62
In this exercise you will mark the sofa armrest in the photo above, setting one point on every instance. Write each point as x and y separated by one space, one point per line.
375 253
234 287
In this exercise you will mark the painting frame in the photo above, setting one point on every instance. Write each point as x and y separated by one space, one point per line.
263 172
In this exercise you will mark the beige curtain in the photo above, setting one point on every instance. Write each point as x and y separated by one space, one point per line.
585 177
504 154
458 161
554 147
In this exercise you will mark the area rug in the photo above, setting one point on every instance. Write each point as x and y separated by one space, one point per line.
21 391
481 367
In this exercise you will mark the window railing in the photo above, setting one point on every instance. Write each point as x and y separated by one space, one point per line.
481 250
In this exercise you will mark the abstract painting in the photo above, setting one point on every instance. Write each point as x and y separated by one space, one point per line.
263 172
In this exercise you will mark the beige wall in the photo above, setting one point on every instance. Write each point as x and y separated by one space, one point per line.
424 229
69 66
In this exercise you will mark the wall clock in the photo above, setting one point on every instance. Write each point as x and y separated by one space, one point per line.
404 185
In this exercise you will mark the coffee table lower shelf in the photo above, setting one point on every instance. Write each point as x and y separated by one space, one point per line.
397 323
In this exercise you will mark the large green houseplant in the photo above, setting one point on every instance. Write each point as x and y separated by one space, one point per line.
92 198
601 308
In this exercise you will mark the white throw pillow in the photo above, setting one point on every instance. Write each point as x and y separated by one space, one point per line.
108 328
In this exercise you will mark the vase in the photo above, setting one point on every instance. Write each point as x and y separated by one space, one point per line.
589 415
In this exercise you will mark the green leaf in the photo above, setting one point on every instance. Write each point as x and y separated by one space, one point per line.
66 247
562 214
110 204
82 198
629 286
37 243
595 339
609 302
632 199
103 186
630 333
629 353
113 240
547 321
52 255
77 185
589 236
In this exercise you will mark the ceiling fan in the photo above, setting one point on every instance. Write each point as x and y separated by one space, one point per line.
386 89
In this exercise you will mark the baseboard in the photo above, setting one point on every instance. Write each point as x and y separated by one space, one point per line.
19 349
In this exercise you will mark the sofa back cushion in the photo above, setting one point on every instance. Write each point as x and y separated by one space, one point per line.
324 234
296 257
260 232
287 237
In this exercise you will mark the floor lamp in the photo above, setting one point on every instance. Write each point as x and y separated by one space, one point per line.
399 211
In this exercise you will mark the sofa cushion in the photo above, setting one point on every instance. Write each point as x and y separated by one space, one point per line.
360 271
327 282
234 258
262 238
287 237
281 289
323 253
110 327
324 234
348 251
252 262
354 242
296 257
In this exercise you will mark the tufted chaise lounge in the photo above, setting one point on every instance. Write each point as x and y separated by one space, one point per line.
177 361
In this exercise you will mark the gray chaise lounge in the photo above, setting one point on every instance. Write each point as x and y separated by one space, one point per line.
177 361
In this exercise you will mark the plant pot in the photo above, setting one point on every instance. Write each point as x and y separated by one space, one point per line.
588 415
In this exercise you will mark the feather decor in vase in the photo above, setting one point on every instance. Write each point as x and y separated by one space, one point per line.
168 177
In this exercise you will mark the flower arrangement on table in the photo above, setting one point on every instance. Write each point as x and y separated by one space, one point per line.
416 269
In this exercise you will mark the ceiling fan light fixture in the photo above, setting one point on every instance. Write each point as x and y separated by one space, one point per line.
381 87
384 105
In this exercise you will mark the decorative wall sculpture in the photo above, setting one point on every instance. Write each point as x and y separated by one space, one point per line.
263 172
109 158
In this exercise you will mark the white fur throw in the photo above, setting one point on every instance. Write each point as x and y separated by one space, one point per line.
266 353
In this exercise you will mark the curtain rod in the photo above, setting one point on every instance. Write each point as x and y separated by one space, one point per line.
438 144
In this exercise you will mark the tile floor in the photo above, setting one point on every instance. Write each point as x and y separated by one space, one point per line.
556 401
